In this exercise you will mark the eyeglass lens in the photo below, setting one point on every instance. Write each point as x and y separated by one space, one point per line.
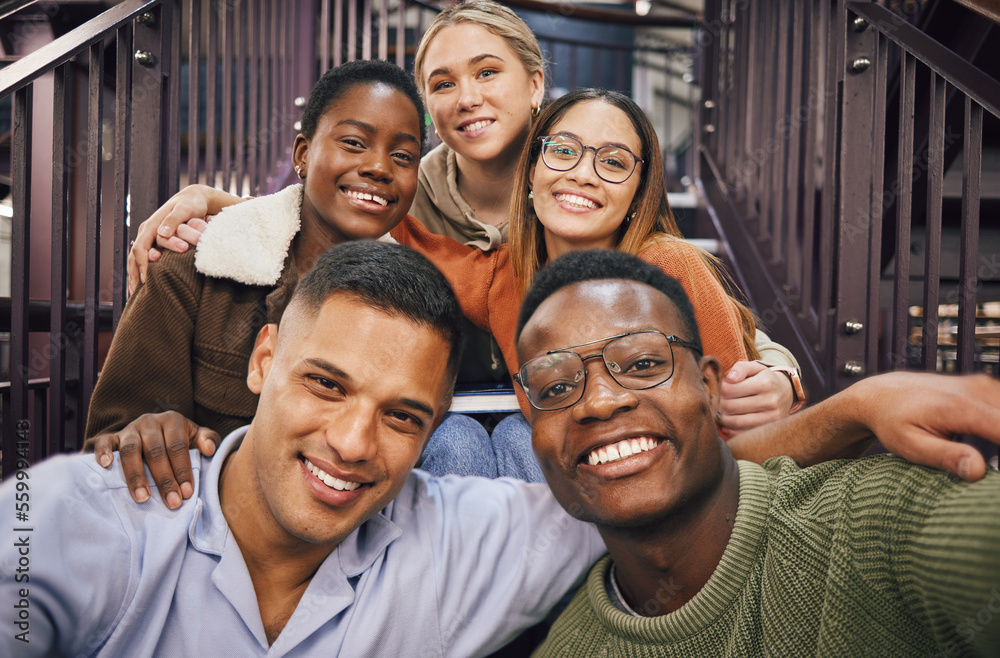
612 163
636 361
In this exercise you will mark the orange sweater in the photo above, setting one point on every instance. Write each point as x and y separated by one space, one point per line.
488 292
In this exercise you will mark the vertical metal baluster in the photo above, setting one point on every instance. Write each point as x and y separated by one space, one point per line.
242 22
211 70
935 184
226 60
324 36
123 154
194 70
876 210
904 204
338 29
401 35
352 31
968 278
92 283
61 178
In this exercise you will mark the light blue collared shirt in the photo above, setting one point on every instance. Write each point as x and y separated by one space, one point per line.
452 567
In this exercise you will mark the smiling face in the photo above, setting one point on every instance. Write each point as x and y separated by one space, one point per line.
479 93
360 166
341 421
674 453
577 208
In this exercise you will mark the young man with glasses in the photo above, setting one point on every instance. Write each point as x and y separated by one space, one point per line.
714 557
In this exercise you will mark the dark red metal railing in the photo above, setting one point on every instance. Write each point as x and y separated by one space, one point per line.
824 148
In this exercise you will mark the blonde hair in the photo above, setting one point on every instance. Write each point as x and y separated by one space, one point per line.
651 219
491 16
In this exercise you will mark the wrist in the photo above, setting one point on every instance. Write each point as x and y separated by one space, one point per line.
799 397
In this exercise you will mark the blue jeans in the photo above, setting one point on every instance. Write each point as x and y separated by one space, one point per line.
461 446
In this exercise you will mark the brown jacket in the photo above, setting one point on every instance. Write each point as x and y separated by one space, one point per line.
185 339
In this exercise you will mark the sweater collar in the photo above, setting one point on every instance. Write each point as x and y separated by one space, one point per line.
721 590
439 177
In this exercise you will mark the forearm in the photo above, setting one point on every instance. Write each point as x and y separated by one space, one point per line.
833 429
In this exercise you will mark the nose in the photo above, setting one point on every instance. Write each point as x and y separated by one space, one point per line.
603 397
377 165
354 435
469 97
584 172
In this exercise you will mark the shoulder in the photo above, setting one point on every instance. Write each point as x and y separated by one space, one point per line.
665 250
249 242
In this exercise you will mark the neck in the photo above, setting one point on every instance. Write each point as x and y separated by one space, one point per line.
312 241
488 185
556 246
280 565
661 567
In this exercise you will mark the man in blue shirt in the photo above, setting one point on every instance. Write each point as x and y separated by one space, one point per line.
309 533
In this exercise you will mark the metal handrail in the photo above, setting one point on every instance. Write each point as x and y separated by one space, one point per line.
25 70
971 81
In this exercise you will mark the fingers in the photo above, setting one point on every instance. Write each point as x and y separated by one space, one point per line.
104 450
959 459
191 231
174 243
741 370
130 454
207 441
163 440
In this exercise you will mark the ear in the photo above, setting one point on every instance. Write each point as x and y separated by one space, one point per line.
711 378
537 88
262 357
299 149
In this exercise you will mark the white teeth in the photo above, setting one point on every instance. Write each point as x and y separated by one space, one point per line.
329 480
575 200
364 196
620 450
472 127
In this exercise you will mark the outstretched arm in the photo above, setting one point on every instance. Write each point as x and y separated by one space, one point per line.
179 221
914 415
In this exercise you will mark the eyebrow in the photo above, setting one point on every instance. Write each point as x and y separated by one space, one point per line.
331 369
618 144
444 70
369 128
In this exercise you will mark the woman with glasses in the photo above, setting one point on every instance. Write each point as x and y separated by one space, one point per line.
589 177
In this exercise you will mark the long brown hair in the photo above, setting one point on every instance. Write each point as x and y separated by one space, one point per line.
652 221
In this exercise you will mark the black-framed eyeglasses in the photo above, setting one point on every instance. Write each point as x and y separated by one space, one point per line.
636 360
612 163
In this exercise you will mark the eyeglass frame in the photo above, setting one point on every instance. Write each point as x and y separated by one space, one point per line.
584 148
671 340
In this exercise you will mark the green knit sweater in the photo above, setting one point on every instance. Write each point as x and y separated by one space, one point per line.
874 557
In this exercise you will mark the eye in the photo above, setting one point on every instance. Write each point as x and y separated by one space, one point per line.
614 160
488 73
405 422
352 142
404 158
325 386
644 365
442 86
559 388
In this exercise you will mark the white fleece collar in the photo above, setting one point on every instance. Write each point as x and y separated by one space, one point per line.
248 242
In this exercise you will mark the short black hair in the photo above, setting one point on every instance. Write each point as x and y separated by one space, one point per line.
337 81
590 264
391 278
